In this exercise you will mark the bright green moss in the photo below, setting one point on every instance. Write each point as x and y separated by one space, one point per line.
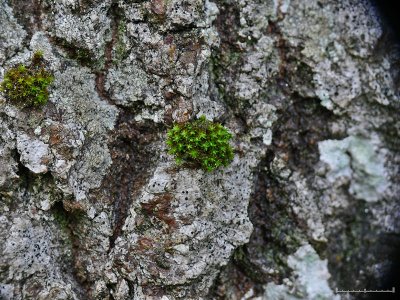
202 143
27 85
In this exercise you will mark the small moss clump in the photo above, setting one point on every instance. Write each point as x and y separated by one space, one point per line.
202 143
27 85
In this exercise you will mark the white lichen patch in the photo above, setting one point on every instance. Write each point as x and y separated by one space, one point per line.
34 257
89 30
356 159
261 118
8 165
165 231
34 153
201 217
306 207
338 75
71 143
7 291
309 279
182 13
26 249
11 34
128 83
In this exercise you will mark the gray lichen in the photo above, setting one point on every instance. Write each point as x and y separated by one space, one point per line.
91 206
309 278
354 160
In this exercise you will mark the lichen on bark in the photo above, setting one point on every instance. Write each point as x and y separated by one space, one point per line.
93 207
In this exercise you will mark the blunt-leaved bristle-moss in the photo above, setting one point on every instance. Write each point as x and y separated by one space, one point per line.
201 143
27 86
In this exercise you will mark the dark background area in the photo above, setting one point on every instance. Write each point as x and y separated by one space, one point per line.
389 9
391 14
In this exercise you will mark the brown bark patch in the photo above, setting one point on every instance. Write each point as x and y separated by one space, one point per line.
160 208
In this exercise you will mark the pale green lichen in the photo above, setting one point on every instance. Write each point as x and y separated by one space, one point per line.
355 158
309 279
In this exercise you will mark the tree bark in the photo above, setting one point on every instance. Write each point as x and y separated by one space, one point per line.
92 206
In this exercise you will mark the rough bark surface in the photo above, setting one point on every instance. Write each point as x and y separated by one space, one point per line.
93 207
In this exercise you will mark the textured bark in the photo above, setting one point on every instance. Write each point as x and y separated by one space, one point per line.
93 207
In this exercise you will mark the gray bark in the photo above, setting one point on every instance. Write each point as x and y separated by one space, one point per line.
93 207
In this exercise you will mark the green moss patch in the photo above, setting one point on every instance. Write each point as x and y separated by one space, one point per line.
26 86
203 143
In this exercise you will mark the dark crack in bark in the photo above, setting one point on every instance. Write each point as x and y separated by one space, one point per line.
132 159
115 15
28 14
